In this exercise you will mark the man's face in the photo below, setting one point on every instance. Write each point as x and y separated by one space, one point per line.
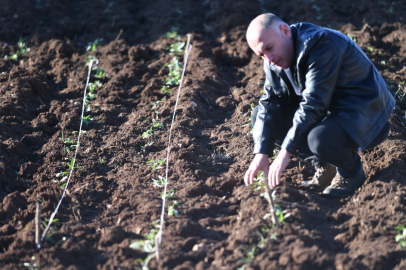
274 44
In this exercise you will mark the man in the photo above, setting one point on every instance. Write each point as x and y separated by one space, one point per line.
324 100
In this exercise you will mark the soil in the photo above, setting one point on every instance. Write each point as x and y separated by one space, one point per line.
111 200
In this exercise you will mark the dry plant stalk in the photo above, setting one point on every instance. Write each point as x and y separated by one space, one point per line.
271 203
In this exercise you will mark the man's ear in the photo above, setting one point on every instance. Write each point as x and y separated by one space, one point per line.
285 30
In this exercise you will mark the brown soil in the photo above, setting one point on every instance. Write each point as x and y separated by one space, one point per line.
111 200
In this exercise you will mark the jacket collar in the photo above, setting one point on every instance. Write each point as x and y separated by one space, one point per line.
293 30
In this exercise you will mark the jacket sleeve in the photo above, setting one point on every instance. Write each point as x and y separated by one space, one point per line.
322 68
268 119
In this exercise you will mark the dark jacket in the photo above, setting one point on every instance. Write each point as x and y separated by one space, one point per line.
336 79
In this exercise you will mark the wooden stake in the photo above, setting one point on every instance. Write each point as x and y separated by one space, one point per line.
37 227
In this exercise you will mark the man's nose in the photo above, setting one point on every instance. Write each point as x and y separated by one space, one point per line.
268 57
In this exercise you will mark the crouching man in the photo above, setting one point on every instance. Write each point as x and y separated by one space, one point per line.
324 100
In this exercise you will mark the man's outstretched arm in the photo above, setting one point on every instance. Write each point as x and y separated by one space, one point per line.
273 172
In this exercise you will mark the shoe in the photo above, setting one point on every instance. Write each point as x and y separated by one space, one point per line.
322 178
343 187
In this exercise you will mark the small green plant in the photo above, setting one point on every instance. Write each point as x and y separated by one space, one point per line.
143 147
169 195
102 160
176 48
156 103
401 236
66 140
92 46
155 123
81 132
147 133
259 181
87 119
92 86
99 72
146 245
144 263
352 37
22 50
250 256
156 164
90 58
370 49
150 131
31 265
171 209
160 182
47 220
172 34
174 73
281 214
165 90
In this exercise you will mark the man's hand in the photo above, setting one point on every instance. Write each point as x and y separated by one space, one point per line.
259 163
277 167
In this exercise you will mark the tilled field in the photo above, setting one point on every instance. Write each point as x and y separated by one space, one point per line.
112 200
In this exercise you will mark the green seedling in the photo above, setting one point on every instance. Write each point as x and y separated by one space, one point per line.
174 73
45 223
273 236
81 132
401 236
143 148
61 173
157 164
165 90
87 120
99 72
156 103
102 160
66 140
147 133
172 34
147 245
155 124
352 37
31 265
250 255
22 50
144 263
170 194
92 86
90 58
176 48
281 214
261 243
259 181
370 49
160 182
171 209
92 46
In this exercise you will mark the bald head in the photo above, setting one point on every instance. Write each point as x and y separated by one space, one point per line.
262 22
270 38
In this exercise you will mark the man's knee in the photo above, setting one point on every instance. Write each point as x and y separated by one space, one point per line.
318 144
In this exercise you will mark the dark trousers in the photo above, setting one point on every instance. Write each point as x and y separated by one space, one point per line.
327 142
